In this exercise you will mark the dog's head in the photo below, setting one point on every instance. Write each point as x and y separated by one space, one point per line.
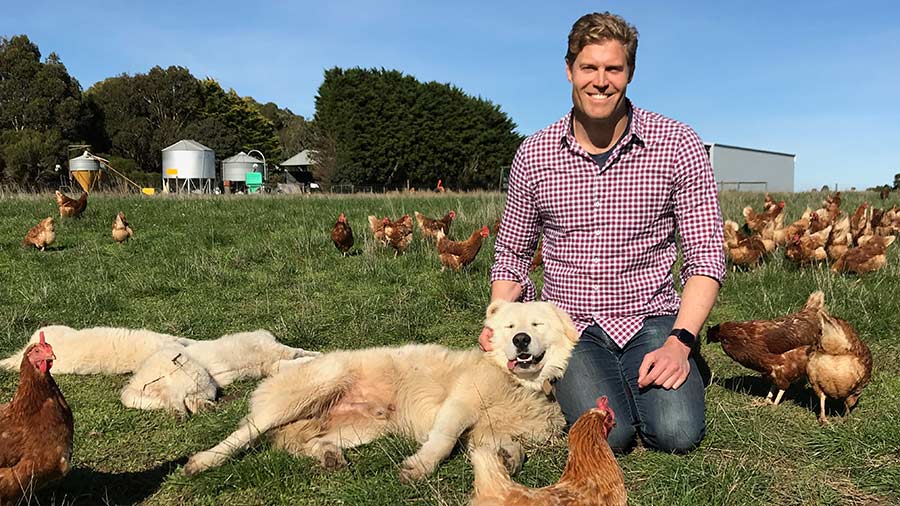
532 340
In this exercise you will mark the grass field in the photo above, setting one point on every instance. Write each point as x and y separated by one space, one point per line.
203 267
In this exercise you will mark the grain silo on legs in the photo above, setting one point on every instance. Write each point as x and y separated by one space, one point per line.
189 167
236 168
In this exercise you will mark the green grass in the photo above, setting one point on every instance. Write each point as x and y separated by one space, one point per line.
203 267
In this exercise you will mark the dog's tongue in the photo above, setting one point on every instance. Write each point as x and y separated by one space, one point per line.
511 364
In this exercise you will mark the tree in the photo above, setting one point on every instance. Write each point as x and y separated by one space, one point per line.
897 181
143 114
388 128
30 156
41 109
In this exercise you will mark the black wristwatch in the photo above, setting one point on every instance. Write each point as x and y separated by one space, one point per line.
685 336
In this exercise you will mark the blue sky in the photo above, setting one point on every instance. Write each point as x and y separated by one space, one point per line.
817 79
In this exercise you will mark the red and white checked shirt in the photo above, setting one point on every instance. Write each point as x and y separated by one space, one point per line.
609 232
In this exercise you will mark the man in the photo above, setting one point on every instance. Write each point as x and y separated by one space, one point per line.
611 186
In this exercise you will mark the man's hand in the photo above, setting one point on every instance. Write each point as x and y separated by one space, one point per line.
484 340
667 367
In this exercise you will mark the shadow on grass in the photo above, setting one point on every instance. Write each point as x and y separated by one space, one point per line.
798 393
89 486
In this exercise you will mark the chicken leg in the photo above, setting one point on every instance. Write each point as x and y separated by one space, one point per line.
778 398
823 420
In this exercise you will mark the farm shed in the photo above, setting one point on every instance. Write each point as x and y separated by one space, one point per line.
748 169
299 168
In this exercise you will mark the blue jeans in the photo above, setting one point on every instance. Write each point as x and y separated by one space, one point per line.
666 420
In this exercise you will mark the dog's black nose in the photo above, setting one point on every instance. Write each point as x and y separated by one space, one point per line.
521 341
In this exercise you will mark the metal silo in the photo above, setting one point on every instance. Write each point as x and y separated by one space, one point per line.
188 166
86 170
237 167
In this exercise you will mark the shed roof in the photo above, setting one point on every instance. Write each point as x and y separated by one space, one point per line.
187 145
300 159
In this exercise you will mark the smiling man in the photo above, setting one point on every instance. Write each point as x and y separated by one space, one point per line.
612 186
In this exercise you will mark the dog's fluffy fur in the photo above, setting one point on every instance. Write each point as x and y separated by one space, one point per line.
97 350
185 379
428 392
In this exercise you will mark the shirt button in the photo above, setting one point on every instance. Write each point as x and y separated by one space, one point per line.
598 232
597 203
596 260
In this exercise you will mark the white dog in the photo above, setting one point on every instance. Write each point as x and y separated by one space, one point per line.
98 350
171 372
428 392
185 379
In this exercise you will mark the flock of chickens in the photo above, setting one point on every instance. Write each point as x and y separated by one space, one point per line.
856 243
43 234
398 234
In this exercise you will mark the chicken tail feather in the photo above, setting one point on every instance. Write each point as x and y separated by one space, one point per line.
712 334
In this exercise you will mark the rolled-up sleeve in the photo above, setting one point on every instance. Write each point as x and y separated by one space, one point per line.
517 238
697 212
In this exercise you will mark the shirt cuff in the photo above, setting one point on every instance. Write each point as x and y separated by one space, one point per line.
715 273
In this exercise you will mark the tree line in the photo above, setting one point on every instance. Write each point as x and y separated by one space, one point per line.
371 126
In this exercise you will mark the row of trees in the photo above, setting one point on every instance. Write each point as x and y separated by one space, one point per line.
371 127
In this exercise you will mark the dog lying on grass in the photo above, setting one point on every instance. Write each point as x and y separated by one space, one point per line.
173 373
428 392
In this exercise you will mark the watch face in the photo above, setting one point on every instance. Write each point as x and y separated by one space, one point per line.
684 336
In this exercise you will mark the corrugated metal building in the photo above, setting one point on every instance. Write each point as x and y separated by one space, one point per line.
748 169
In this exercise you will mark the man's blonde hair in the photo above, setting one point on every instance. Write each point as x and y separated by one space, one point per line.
599 27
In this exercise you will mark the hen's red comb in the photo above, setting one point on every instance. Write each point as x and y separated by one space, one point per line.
42 338
603 403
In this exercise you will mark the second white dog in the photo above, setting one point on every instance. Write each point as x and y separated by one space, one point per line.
185 379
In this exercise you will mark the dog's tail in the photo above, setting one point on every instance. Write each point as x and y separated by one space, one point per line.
301 392
492 482
13 361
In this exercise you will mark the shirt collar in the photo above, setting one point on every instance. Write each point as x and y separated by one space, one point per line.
635 129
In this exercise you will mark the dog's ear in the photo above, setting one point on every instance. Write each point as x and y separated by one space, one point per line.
493 308
568 326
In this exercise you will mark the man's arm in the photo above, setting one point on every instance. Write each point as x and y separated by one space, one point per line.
668 367
699 222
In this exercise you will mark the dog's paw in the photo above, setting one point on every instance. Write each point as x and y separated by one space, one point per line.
413 469
194 465
333 459
195 405
513 456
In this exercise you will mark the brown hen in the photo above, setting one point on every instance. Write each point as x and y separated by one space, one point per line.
36 428
592 476
840 365
869 256
342 235
41 235
399 233
429 226
121 230
69 207
458 254
776 348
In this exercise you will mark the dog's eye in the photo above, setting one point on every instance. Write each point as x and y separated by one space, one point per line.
510 326
536 324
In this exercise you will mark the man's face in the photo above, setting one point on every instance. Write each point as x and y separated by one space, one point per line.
599 77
